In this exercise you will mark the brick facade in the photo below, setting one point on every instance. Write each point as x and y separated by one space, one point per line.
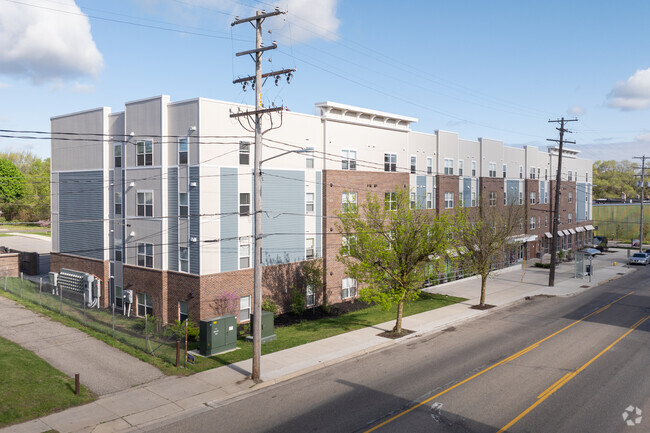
10 265
98 268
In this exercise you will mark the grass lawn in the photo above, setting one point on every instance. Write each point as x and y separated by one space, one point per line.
99 325
31 387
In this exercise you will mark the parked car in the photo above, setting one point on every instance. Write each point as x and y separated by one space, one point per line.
639 259
600 243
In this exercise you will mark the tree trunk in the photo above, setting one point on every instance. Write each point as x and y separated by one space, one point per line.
398 323
483 284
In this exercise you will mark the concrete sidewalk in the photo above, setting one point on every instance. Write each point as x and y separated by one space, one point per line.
164 400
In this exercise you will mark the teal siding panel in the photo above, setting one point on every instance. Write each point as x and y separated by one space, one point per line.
421 191
512 193
81 214
229 221
195 222
467 191
172 212
581 193
319 214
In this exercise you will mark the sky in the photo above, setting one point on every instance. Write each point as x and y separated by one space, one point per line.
496 69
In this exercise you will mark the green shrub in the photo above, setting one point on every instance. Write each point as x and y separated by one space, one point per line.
543 265
297 302
177 329
269 305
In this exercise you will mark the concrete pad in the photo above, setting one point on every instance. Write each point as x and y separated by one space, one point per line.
112 426
200 400
153 415
35 426
77 418
136 400
179 388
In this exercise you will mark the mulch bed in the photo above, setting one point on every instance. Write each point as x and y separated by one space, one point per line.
316 313
393 335
482 307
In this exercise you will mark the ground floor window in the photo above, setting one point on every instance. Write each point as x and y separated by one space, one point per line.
118 296
182 311
310 298
349 288
244 308
145 304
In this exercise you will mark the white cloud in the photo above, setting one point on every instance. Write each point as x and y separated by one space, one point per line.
309 19
633 94
43 44
644 138
576 111
78 87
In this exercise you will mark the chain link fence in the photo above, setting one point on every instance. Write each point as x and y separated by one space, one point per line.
147 333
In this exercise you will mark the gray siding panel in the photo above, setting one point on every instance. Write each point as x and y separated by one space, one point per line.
421 191
172 212
195 222
81 199
581 193
513 191
319 214
283 222
229 220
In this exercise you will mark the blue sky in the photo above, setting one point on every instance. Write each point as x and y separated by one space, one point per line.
498 69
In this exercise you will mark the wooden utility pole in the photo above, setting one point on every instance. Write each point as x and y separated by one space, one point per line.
556 207
257 114
642 158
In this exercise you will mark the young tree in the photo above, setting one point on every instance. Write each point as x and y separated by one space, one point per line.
387 245
482 242
12 185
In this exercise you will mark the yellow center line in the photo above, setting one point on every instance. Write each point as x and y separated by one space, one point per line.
559 384
508 359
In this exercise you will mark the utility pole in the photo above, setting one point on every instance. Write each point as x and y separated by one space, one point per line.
556 206
256 55
642 158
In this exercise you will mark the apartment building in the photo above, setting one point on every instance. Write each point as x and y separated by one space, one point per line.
157 198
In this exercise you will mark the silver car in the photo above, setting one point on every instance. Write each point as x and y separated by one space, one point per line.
638 259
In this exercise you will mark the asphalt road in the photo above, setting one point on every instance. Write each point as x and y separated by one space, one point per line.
545 365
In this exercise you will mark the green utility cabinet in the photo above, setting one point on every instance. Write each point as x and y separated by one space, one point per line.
268 327
217 335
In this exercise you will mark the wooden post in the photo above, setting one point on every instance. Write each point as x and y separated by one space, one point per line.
76 383
178 353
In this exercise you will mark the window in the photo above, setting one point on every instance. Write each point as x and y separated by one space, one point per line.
586 177
521 223
183 207
118 203
144 152
412 200
145 255
117 154
538 173
521 172
492 169
349 161
390 201
118 297
546 174
310 299
309 202
493 198
413 164
429 165
461 202
145 304
429 200
244 153
390 162
473 199
505 169
183 259
118 248
545 196
473 168
521 197
570 175
244 308
244 254
349 202
532 223
532 172
183 314
569 218
309 159
145 204
545 220
460 167
244 203
348 288
309 249
449 166
348 242
183 144
505 198
449 200
570 196
533 197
